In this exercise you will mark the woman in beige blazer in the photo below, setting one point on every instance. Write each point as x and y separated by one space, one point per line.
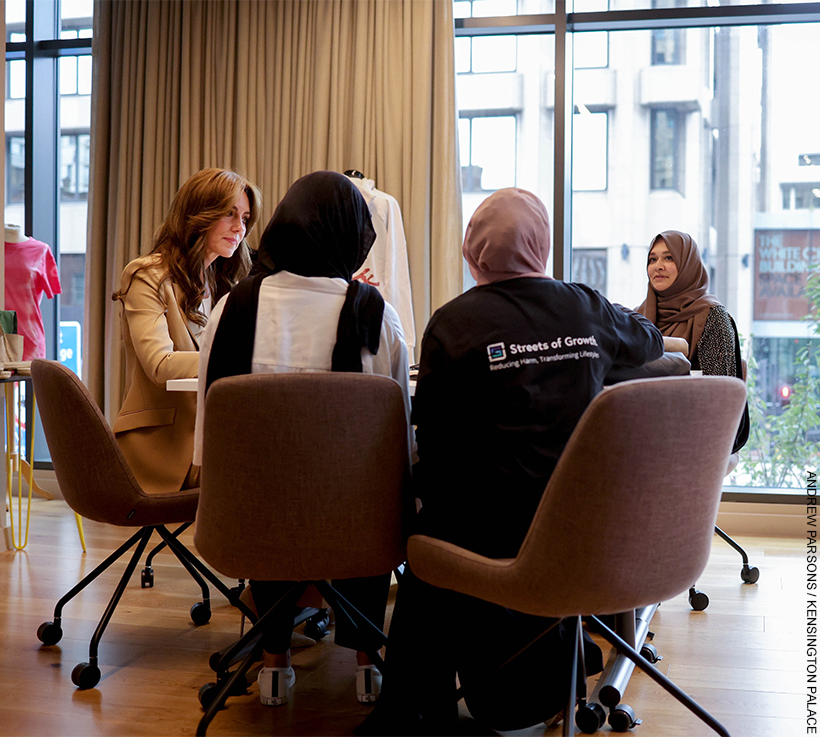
198 253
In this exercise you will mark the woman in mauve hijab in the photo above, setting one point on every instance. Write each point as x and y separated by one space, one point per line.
506 371
302 312
679 304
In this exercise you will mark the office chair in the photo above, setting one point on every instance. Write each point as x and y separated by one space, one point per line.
97 484
606 538
302 480
698 599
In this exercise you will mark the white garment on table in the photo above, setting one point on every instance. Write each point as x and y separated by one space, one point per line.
386 266
296 324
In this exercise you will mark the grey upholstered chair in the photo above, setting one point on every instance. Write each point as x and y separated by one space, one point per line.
626 520
97 484
303 480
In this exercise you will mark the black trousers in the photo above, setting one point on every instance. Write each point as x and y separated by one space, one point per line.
420 678
368 595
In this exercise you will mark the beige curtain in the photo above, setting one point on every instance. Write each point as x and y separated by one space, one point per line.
274 89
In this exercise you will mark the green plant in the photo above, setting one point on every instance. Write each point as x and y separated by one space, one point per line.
783 446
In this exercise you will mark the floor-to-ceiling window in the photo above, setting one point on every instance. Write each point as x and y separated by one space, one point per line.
47 129
48 108
674 115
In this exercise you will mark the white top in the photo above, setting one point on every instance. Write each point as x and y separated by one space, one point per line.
386 266
296 327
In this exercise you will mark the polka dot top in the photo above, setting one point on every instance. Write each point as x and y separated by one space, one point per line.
715 354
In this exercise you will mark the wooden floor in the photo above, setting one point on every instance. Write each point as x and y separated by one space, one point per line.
743 658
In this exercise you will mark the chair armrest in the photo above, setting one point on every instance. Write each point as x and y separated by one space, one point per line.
449 566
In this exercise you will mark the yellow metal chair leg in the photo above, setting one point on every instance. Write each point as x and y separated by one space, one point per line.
80 530
14 462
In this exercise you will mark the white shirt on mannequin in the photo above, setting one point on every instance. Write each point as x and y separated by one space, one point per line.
386 266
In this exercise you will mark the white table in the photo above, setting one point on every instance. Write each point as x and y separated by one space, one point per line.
181 385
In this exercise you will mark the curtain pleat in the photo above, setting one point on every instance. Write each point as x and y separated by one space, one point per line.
274 89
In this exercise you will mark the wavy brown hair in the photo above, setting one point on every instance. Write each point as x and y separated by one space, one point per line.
181 240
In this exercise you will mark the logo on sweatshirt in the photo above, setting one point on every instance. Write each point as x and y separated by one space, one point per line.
496 352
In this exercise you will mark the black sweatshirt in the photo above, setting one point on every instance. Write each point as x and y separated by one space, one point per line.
507 370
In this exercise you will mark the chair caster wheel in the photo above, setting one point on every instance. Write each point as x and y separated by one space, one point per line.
698 600
147 577
207 694
316 626
200 613
622 718
650 653
49 633
214 660
590 718
749 574
85 676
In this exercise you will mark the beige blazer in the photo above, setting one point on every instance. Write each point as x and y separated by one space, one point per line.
155 427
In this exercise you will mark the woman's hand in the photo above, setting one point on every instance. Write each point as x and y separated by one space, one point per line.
675 345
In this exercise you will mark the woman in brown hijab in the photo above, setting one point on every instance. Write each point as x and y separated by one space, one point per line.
679 304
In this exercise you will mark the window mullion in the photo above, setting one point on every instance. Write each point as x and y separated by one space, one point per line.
562 193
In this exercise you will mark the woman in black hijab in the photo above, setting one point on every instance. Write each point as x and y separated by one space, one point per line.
321 228
301 310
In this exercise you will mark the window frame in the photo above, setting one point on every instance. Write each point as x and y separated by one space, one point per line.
40 51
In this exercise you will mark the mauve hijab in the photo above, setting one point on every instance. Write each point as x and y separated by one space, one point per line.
681 310
508 236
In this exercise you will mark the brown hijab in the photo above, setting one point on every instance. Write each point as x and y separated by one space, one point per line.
681 310
508 236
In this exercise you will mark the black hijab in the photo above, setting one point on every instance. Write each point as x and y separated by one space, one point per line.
321 227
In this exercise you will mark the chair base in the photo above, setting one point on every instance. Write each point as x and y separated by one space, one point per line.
623 648
147 573
87 675
590 716
633 627
748 574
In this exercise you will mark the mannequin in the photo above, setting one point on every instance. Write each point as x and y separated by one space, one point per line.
386 266
30 272
15 234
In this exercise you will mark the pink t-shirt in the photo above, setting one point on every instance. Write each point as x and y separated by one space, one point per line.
31 272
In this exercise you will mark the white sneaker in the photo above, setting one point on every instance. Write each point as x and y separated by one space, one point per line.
274 684
368 683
